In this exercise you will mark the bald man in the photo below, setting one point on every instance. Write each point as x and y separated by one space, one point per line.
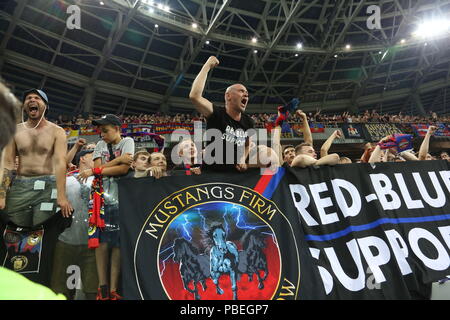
231 121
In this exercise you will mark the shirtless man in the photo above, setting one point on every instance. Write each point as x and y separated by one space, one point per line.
41 147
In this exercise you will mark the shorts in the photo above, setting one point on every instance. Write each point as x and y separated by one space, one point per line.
69 259
110 234
31 200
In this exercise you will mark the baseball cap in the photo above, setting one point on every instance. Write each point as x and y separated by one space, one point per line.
108 119
41 93
80 154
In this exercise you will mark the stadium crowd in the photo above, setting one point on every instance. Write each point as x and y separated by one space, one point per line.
83 180
260 119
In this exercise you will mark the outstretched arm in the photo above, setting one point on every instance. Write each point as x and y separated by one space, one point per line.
204 106
423 151
76 147
327 144
307 136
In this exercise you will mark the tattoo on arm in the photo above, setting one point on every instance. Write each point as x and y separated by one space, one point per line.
6 182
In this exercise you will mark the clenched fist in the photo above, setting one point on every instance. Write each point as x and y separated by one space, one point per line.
212 62
432 130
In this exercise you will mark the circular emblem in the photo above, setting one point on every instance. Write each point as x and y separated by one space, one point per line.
11 237
34 239
221 246
217 241
19 263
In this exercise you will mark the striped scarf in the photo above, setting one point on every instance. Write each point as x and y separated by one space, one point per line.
96 212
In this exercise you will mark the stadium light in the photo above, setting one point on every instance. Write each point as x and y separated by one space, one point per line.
102 3
194 25
255 51
156 26
254 40
207 42
348 47
432 28
299 45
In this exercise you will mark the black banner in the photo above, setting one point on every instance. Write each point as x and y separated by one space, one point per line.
352 131
377 131
343 232
376 233
213 237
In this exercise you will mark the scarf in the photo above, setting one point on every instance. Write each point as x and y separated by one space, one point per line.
96 211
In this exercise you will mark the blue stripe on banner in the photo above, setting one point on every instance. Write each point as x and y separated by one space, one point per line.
273 184
374 224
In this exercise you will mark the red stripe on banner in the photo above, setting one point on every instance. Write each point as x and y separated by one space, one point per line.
263 183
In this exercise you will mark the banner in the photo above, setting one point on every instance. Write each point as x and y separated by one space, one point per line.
211 237
421 130
352 131
317 127
72 135
377 131
168 128
378 232
345 232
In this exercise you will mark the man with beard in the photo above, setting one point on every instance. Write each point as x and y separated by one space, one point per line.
14 286
41 177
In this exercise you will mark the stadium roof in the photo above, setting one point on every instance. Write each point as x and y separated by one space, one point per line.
141 56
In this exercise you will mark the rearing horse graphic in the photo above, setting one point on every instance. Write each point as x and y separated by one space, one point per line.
224 258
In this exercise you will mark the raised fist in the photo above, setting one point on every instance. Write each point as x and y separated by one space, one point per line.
432 130
81 142
338 134
212 62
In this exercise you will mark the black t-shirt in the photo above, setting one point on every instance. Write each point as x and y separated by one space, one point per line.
234 137
29 251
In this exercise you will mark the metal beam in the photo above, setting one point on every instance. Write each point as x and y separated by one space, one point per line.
21 4
268 51
183 66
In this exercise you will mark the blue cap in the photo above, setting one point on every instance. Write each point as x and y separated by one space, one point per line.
38 92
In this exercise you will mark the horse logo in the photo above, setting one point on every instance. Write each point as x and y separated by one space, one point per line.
223 258
193 266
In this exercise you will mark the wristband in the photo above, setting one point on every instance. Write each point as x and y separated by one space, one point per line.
97 171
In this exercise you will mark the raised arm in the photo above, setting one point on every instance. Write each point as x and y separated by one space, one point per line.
327 144
376 154
60 165
423 151
204 106
307 136
276 143
73 151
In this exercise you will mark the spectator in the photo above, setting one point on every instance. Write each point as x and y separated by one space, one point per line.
72 245
106 170
158 165
141 164
187 152
306 156
231 120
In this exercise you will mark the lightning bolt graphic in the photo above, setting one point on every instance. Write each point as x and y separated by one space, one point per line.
186 233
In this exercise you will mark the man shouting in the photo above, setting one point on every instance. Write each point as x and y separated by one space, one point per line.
41 177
